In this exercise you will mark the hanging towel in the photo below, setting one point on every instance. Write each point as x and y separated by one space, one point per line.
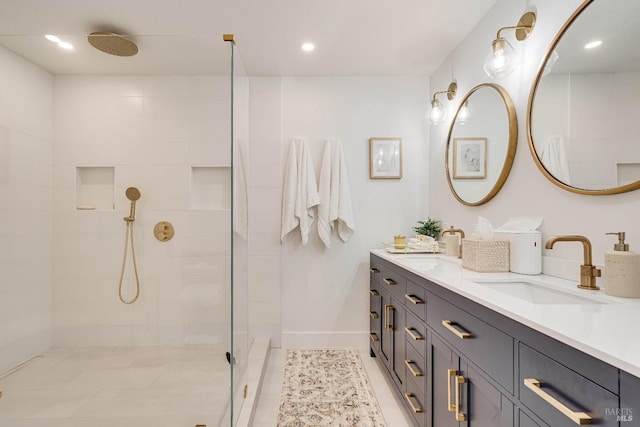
300 192
335 195
554 159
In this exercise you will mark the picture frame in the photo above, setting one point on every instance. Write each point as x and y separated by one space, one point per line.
470 158
385 158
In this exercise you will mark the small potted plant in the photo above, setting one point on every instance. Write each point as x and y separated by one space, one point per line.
430 227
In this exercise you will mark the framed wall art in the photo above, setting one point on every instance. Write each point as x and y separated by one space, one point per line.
469 158
385 158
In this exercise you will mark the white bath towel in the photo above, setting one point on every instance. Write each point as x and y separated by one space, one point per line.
300 191
554 158
335 195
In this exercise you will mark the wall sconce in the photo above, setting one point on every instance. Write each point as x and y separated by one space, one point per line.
464 114
502 58
438 113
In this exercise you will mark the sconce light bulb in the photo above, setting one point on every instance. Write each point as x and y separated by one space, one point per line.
464 114
501 60
437 114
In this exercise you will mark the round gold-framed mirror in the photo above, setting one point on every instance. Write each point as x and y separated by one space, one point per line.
481 144
582 109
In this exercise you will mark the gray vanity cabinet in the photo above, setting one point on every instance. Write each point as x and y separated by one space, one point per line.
629 412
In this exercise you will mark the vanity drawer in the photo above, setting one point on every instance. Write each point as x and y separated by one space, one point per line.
416 403
390 279
415 300
416 368
560 396
415 332
487 347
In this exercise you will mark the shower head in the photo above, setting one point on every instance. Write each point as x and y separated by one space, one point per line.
112 43
132 193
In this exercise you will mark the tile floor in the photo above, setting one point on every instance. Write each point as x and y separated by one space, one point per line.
118 387
266 411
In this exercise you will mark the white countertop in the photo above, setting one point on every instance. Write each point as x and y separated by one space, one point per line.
605 330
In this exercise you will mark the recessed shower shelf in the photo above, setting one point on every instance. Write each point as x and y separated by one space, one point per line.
210 188
95 188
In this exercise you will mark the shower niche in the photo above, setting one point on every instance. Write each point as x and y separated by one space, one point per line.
95 188
210 188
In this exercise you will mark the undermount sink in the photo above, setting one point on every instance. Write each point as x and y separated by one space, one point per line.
536 293
421 263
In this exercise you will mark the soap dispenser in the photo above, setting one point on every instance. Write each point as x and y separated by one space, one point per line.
622 270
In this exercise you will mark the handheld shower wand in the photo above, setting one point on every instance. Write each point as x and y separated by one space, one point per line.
133 194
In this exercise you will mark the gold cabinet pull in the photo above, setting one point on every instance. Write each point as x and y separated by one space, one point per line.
579 418
389 282
414 299
409 331
374 270
373 315
450 374
387 323
409 364
409 397
374 337
460 334
373 292
459 381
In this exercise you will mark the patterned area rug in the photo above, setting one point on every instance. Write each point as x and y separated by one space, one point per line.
327 388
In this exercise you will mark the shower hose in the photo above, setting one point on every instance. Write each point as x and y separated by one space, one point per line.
129 236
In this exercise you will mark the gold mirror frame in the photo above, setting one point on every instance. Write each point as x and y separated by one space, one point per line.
532 93
511 145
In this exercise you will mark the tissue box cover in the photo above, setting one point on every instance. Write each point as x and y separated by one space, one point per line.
486 256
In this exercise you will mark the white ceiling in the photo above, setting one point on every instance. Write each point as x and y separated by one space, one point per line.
353 37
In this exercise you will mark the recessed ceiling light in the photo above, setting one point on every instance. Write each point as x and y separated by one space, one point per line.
65 45
308 47
593 44
53 38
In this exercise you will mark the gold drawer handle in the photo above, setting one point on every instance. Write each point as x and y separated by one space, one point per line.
450 374
579 418
373 315
389 282
414 299
373 292
410 331
460 334
409 363
374 337
409 397
374 270
459 381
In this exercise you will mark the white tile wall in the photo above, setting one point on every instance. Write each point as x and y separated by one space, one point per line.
151 130
25 210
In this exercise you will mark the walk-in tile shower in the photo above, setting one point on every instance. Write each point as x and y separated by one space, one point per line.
103 319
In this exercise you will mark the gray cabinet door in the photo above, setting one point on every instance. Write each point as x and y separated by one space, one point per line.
629 411
386 341
441 359
397 336
482 404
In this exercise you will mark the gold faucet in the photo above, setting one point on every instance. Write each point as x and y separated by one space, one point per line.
453 231
588 272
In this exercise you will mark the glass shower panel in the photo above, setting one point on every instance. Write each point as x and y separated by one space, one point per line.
240 222
77 128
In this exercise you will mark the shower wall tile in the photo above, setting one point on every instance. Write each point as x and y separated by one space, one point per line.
25 210
152 130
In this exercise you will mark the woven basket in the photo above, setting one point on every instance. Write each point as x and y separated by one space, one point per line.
486 256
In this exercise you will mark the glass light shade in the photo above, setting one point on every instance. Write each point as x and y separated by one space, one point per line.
551 61
464 114
437 114
501 60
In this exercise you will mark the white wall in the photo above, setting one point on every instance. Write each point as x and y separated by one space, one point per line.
151 129
25 210
527 191
319 296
